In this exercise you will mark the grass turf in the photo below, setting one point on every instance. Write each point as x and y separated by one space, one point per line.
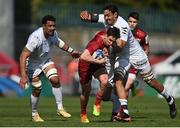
145 112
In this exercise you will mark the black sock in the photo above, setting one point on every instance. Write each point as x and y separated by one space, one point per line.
169 99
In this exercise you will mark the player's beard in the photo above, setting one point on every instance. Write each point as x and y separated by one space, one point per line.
51 33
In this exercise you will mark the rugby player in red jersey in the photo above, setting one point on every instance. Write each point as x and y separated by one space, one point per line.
142 37
90 66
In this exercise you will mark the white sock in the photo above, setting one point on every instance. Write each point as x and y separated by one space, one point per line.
34 103
168 98
165 94
124 103
171 101
58 97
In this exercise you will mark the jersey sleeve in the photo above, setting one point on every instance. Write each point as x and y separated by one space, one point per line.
124 28
101 18
32 43
124 31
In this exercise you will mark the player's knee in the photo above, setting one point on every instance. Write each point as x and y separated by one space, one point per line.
86 93
86 89
36 92
37 84
54 80
50 74
148 77
104 80
36 88
103 83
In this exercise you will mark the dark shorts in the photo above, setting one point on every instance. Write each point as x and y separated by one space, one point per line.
87 70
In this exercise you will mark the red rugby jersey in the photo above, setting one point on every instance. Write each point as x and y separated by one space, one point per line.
141 36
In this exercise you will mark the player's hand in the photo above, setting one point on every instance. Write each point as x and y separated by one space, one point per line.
102 61
105 52
75 54
84 15
23 82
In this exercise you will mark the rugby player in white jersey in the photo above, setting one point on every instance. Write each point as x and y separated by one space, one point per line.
35 59
131 53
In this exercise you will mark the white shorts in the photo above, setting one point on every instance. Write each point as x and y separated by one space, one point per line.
142 65
34 72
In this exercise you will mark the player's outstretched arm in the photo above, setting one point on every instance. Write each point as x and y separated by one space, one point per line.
71 51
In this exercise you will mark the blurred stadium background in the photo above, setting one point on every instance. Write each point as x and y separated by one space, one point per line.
161 19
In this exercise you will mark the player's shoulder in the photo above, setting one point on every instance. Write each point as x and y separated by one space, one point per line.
96 41
37 32
36 35
140 32
121 23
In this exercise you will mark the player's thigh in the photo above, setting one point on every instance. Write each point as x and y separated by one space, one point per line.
85 76
101 75
147 73
36 86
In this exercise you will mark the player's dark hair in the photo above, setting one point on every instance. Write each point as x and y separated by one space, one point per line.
134 15
111 8
113 31
48 18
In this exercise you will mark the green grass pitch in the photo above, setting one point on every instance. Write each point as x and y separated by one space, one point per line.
145 112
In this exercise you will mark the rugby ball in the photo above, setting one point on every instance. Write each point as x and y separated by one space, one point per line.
98 54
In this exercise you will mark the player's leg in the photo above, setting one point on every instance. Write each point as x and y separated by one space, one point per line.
109 93
85 76
115 105
120 81
149 78
36 90
115 101
51 73
84 98
130 83
108 89
102 76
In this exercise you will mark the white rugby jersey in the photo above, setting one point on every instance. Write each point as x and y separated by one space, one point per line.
40 48
132 50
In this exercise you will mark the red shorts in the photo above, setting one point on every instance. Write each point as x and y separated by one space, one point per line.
87 70
133 71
